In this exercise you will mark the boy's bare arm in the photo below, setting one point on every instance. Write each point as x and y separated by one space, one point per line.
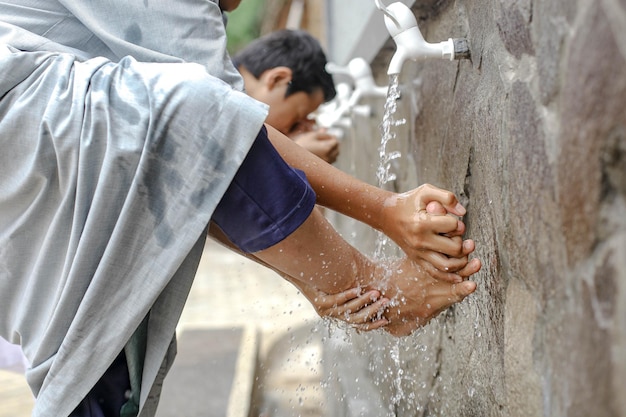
315 257
402 217
359 307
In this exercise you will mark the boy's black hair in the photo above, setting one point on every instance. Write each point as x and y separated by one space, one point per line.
295 49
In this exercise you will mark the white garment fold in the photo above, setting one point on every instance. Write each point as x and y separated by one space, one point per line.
109 173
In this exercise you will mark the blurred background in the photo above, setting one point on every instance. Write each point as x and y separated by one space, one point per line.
530 133
254 18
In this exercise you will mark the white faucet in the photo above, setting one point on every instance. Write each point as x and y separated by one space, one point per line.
346 101
364 85
410 43
334 114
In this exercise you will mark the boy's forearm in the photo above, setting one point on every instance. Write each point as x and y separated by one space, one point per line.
317 256
404 217
314 256
334 188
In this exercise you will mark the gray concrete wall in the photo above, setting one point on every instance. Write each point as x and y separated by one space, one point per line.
531 134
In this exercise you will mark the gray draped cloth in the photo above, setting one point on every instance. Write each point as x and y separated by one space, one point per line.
110 170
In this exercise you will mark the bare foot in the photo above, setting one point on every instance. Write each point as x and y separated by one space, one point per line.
415 296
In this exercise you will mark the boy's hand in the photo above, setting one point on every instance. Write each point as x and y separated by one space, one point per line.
424 223
315 140
320 143
361 310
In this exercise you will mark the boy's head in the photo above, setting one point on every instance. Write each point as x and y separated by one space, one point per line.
286 69
229 5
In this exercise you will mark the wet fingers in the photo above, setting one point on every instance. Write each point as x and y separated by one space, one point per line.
368 314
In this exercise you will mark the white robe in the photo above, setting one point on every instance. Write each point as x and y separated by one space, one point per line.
110 169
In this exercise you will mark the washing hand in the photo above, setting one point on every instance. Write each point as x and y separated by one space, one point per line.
320 143
424 223
406 298
362 310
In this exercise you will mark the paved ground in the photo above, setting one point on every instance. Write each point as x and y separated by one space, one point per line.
231 292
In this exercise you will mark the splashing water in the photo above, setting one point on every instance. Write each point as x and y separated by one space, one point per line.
389 377
384 174
392 389
398 395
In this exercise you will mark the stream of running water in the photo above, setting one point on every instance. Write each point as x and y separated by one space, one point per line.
384 172
385 175
378 380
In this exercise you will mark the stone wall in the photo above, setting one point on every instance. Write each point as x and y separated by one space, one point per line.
531 134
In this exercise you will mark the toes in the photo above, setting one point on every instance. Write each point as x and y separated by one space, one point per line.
471 268
463 289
